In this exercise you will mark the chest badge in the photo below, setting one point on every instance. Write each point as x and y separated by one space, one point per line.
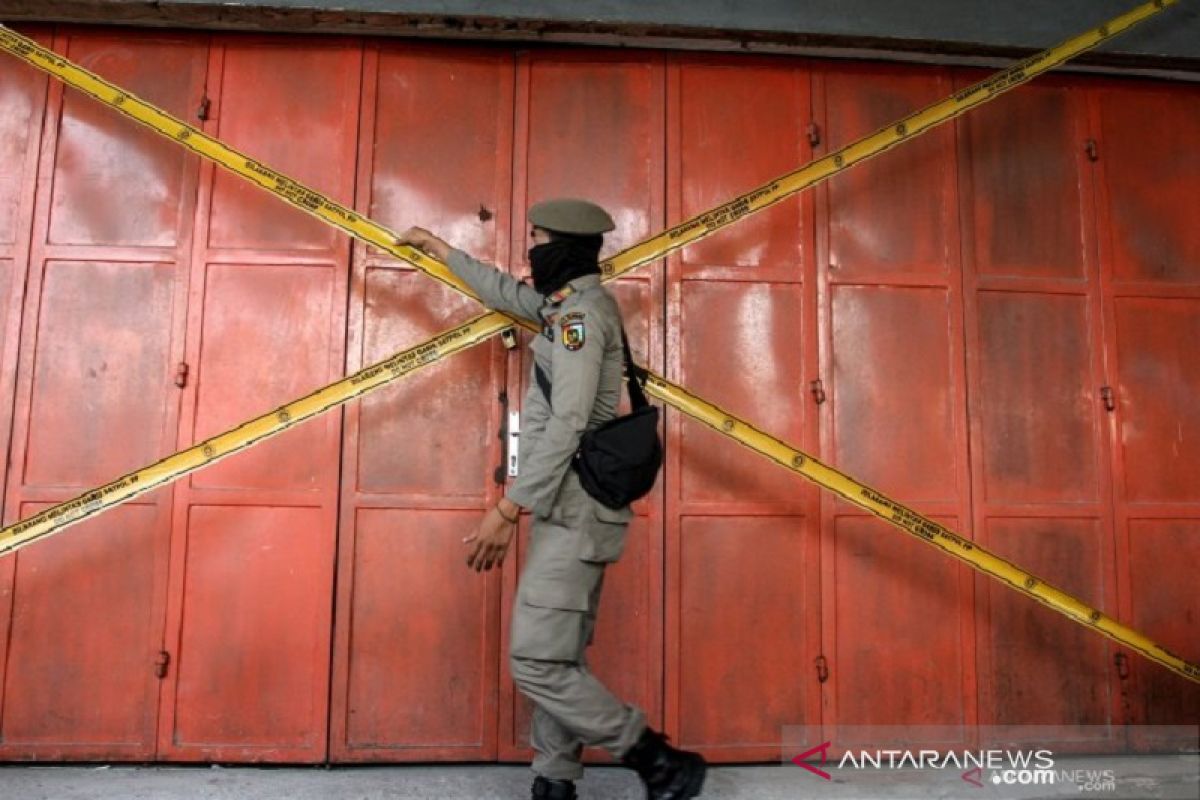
574 334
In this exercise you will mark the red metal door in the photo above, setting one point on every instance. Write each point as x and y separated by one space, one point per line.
102 331
253 548
416 669
726 594
591 125
23 97
1150 256
742 629
1040 457
897 622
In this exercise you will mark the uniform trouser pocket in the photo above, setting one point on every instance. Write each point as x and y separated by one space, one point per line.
556 598
604 533
545 633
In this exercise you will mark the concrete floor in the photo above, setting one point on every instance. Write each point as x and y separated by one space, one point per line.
1135 777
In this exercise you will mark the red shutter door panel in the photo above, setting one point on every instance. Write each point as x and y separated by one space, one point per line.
1041 455
741 347
7 301
1152 182
101 372
255 636
891 214
1163 558
1024 165
420 621
266 333
80 681
1048 669
741 548
1160 398
743 640
1039 401
897 631
96 412
899 659
894 422
445 413
249 618
116 182
1151 258
291 107
740 125
1041 473
1160 438
412 588
102 332
416 659
21 96
592 134
440 143
253 655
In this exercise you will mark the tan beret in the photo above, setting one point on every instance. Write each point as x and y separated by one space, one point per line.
570 215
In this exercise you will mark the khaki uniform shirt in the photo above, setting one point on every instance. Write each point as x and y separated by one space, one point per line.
579 351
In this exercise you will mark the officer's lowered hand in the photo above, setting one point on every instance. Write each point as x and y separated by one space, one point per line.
490 542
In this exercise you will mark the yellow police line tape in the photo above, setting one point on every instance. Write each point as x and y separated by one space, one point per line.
478 329
234 440
883 139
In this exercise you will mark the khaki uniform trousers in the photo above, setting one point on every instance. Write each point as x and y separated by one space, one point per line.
553 620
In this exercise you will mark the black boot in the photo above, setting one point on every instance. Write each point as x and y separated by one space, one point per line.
549 789
669 774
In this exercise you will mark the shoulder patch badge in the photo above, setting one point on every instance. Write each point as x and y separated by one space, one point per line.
574 333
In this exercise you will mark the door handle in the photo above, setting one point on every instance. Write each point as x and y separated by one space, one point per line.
498 475
510 442
512 448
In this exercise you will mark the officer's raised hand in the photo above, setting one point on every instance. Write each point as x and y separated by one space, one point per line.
494 536
426 241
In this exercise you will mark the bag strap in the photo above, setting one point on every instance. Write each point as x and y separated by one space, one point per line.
543 381
635 376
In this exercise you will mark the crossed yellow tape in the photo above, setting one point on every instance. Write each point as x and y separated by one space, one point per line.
486 325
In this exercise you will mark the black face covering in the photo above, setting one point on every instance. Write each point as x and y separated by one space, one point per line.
563 259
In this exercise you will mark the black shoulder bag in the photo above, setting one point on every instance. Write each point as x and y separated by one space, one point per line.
619 460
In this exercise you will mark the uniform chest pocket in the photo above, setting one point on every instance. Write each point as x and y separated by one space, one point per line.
604 533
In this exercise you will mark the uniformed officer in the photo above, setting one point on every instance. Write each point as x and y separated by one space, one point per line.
574 537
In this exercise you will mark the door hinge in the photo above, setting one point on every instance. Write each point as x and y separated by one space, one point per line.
181 374
1093 150
205 107
814 134
1110 401
822 669
161 663
818 391
1122 662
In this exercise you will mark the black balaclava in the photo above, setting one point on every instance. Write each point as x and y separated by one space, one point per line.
562 259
